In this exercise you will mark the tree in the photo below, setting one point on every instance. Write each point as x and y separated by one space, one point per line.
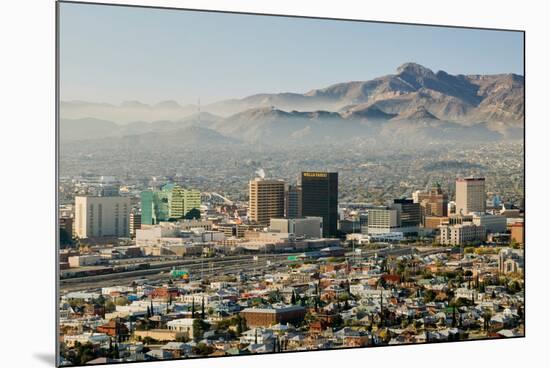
337 321
116 353
481 287
461 302
100 300
121 301
520 312
385 335
274 296
454 316
193 214
203 349
240 324
513 287
65 239
429 296
244 326
109 306
85 353
199 328
487 320
202 309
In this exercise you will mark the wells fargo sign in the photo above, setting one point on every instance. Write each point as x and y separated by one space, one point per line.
315 174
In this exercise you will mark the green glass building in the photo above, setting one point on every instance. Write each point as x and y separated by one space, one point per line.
171 202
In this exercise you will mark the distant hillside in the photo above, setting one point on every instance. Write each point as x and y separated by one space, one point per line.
273 127
126 112
181 138
90 128
413 105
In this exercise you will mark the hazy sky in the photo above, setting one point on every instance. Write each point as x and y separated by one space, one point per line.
112 54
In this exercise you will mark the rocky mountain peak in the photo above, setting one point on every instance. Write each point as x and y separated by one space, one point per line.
415 69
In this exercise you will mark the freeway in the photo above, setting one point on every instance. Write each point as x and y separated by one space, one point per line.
201 267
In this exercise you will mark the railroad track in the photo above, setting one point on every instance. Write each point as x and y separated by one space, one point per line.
89 282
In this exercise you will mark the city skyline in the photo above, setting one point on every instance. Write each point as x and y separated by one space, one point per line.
386 209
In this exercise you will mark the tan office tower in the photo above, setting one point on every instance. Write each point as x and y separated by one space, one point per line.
135 222
266 200
470 195
432 202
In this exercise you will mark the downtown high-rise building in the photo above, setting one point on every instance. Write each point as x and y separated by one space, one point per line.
320 198
470 195
171 202
266 200
409 212
433 202
135 222
383 220
181 201
97 216
293 201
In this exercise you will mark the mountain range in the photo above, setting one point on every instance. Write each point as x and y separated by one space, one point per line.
414 103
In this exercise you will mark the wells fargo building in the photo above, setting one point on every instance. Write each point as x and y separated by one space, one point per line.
320 198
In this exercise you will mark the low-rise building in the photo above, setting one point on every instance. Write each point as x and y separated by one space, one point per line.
516 232
265 317
182 325
159 334
84 260
511 261
433 222
309 227
85 338
492 223
461 234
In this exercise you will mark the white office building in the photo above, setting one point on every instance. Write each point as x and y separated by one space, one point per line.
309 227
102 216
492 223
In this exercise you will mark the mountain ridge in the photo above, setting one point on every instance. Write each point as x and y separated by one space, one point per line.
460 98
415 104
